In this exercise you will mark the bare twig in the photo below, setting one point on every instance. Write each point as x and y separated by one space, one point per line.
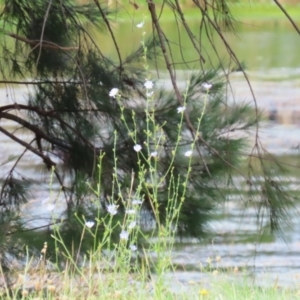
189 32
287 15
35 130
45 158
42 33
111 32
12 169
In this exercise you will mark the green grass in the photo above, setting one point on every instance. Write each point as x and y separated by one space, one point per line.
93 283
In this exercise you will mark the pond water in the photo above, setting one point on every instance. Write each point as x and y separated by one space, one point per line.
273 66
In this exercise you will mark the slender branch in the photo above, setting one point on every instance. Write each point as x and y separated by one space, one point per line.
43 30
236 60
51 113
152 10
45 158
110 30
59 221
40 82
34 129
287 15
190 126
44 112
189 32
12 169
45 44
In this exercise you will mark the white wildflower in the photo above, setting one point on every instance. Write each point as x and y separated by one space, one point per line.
89 224
130 211
113 92
188 153
149 94
112 209
148 84
136 202
206 86
140 25
132 225
50 207
137 147
209 260
181 109
133 247
153 154
124 235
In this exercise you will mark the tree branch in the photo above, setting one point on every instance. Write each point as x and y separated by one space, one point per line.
287 15
110 30
12 169
51 113
188 30
45 44
40 82
42 33
45 158
44 112
34 129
